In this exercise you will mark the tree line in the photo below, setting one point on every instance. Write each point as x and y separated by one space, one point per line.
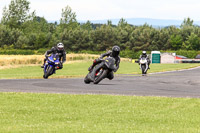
22 29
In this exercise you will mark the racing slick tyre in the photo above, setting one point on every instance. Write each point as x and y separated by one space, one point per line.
101 77
143 69
48 73
86 80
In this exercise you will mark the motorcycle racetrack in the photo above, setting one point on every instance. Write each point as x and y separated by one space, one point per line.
185 83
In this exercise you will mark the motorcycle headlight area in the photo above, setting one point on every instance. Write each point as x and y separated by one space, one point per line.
143 61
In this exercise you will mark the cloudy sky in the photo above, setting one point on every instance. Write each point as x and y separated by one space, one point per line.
111 9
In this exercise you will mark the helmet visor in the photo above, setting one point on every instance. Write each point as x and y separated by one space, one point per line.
115 53
60 48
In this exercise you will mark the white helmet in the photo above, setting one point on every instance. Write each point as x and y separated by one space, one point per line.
60 46
144 52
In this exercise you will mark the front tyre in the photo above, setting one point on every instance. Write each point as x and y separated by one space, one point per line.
48 73
101 77
86 80
143 69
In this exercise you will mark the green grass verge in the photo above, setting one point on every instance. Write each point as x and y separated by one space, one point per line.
80 69
27 112
133 68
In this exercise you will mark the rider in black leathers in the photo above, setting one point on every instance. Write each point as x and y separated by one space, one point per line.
59 49
115 54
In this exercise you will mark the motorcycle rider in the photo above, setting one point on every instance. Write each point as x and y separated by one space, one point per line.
59 49
115 54
144 55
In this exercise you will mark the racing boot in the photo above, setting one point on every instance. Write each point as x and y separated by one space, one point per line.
43 63
110 76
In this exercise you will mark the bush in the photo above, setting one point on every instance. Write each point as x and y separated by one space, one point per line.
89 52
124 53
130 54
16 52
189 54
41 51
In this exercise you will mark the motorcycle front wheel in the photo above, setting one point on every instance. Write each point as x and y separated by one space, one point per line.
48 72
143 69
86 80
101 77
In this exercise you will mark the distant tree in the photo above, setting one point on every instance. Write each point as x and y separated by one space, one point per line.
68 19
5 36
142 38
17 13
95 26
193 42
39 32
9 37
68 16
187 22
104 38
36 25
124 32
122 23
87 26
109 22
176 42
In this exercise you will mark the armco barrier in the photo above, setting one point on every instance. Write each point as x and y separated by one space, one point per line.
187 61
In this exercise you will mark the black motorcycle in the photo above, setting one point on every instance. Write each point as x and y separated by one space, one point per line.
100 71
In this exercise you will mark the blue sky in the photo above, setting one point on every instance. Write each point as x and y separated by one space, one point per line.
111 9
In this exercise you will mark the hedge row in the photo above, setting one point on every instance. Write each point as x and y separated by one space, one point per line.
21 52
125 53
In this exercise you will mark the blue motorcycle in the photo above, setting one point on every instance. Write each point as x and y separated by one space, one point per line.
51 65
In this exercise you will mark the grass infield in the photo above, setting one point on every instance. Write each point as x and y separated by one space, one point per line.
27 112
79 69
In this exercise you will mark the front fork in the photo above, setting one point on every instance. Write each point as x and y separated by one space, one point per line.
147 67
99 72
46 66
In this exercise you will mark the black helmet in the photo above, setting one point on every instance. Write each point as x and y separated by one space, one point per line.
115 51
60 46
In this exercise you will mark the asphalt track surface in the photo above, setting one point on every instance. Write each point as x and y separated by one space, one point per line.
170 84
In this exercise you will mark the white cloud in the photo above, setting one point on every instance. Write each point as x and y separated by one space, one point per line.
109 9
